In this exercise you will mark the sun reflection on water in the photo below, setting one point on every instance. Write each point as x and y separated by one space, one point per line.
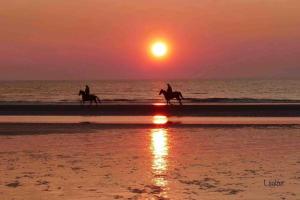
160 151
160 119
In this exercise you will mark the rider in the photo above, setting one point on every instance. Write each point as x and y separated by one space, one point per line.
169 90
87 90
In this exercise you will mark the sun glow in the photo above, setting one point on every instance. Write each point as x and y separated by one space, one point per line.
159 49
160 119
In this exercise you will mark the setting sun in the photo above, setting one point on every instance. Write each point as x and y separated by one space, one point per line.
159 49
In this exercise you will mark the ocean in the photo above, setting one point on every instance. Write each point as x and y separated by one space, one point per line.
146 91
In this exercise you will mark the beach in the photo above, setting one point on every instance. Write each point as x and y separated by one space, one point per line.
150 163
204 151
150 151
133 151
208 109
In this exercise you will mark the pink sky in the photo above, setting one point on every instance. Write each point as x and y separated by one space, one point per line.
108 39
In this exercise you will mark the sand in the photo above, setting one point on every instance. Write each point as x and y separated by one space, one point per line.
209 109
150 163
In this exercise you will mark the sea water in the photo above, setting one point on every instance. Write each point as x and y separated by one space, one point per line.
147 91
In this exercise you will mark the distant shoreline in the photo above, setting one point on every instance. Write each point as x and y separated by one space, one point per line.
212 109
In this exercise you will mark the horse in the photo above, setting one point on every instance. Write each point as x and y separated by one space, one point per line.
91 97
174 95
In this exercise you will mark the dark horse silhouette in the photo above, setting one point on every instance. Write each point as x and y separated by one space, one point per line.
174 95
91 98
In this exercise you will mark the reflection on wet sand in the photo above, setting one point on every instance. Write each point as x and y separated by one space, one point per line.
157 163
160 149
160 119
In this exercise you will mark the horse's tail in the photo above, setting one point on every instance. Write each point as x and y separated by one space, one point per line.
181 95
97 98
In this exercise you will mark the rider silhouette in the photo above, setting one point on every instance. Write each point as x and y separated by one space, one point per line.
169 90
87 90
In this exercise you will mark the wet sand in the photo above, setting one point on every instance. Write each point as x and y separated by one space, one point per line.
209 109
150 163
16 122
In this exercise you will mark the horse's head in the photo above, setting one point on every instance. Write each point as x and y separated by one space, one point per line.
161 91
81 92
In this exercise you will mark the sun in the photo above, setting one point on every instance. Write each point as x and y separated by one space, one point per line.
159 49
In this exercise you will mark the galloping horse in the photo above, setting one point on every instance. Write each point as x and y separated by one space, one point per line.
173 95
92 98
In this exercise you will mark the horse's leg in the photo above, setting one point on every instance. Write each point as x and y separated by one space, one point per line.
99 101
168 101
178 98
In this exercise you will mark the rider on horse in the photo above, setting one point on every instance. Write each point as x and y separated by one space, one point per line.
169 94
169 90
86 96
87 90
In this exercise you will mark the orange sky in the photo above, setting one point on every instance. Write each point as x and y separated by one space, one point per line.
103 39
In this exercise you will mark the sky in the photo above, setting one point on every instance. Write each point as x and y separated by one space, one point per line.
109 39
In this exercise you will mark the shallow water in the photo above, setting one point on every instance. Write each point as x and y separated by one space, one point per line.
146 91
154 163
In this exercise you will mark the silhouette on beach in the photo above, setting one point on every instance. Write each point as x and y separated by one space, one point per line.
87 90
169 94
86 96
169 90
